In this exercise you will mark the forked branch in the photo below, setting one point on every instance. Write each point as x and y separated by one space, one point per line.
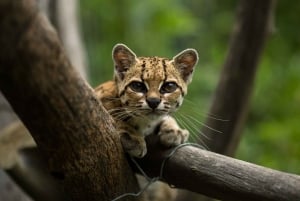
77 137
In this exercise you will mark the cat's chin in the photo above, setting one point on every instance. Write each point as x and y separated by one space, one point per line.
156 114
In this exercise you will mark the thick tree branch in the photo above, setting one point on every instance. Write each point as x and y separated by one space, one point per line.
220 176
60 110
77 136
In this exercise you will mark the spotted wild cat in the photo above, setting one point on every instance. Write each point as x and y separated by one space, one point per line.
144 93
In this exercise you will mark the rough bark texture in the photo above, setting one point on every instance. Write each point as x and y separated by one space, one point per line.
233 92
60 110
32 176
77 137
220 176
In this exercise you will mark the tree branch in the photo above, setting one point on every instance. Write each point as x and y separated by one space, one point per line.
234 89
220 176
59 108
77 136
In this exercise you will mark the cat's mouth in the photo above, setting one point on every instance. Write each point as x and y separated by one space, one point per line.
156 112
151 113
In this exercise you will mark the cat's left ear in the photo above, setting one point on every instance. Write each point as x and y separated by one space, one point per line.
123 58
185 62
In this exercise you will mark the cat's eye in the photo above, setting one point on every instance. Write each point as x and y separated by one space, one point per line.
139 87
168 87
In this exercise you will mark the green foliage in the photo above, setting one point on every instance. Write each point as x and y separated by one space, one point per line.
164 28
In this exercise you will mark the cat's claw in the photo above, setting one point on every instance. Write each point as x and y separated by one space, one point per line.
171 135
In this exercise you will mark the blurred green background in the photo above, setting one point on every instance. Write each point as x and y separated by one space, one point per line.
163 28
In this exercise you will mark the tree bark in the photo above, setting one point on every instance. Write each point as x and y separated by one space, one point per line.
59 108
64 13
219 176
77 136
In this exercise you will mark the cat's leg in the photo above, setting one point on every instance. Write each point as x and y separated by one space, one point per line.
158 191
133 143
171 134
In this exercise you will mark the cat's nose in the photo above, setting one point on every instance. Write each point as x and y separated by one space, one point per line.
153 102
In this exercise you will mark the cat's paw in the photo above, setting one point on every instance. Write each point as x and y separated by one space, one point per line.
133 145
159 191
171 135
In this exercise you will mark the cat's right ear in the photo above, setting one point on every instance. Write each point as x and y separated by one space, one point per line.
185 62
123 58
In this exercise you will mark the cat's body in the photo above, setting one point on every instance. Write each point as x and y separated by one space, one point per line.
145 91
143 94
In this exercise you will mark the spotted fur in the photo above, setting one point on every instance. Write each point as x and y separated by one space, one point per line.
145 91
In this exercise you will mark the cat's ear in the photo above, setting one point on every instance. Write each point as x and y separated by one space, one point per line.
123 58
185 62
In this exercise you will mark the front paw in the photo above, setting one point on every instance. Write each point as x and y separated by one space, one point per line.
134 145
171 135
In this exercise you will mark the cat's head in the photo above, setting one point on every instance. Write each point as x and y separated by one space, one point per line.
152 86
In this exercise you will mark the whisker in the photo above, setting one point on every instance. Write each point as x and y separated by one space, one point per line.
120 116
114 109
203 124
190 105
193 124
112 98
184 125
193 132
122 113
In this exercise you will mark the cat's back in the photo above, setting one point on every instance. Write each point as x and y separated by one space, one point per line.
107 93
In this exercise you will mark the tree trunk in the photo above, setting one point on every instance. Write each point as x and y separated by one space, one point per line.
69 125
23 165
77 136
231 99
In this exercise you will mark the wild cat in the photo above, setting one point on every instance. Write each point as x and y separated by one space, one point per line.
144 93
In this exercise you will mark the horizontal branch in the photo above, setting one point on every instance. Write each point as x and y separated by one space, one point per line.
220 176
76 135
